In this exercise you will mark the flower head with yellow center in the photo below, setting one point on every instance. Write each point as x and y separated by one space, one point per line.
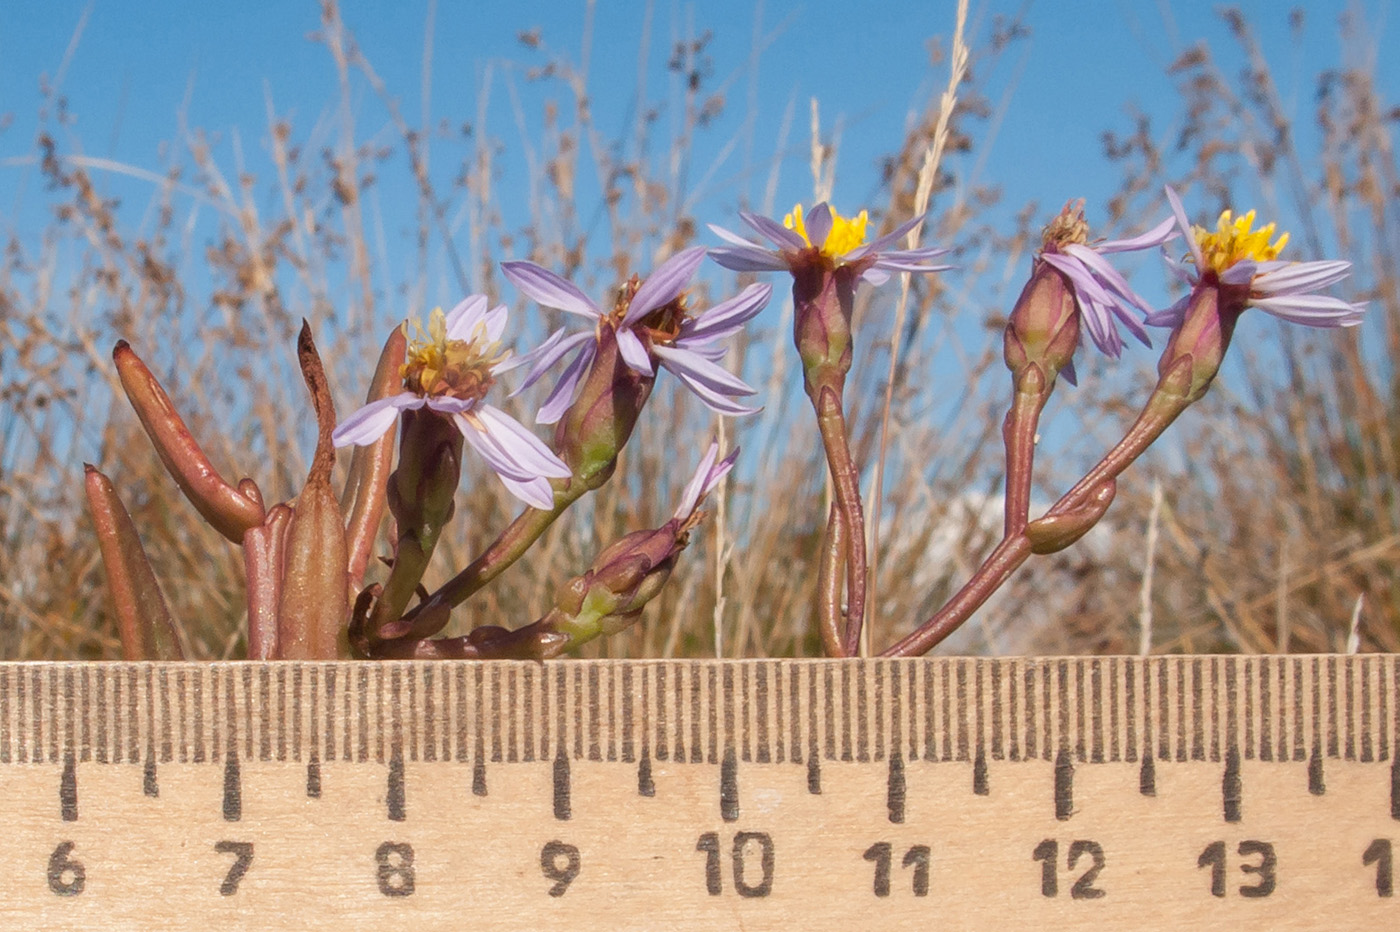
1244 263
846 234
448 369
1235 240
652 321
438 365
825 235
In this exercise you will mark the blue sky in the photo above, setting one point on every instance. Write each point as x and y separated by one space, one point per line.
137 74
138 65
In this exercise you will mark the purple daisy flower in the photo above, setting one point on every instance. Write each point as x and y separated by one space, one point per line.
1239 257
1103 294
652 325
839 240
449 370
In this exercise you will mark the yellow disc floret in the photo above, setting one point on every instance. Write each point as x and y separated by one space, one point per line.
847 233
437 366
1235 240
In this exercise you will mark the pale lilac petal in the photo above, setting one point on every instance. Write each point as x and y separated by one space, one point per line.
495 322
1170 316
562 396
1163 232
544 287
749 259
369 423
1186 274
734 239
818 224
533 490
880 242
1290 278
1094 302
537 493
922 254
773 231
875 276
633 352
1179 213
1313 310
543 357
720 404
707 475
498 457
524 446
895 263
1241 273
446 404
664 284
695 488
714 400
463 318
1107 275
716 378
725 318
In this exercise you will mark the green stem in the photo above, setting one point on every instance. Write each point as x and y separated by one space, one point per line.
431 615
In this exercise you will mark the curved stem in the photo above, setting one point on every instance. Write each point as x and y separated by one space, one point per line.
1161 410
1018 434
832 423
431 615
829 584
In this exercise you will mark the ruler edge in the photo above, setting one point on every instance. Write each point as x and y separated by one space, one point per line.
1090 709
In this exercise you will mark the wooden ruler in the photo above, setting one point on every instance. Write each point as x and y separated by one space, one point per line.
1189 792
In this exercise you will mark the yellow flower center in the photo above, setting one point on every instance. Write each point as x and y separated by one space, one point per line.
847 233
1236 240
437 366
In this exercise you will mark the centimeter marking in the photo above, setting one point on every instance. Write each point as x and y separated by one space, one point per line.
1069 711
1195 728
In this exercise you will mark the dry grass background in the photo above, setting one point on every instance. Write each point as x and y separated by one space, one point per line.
1272 523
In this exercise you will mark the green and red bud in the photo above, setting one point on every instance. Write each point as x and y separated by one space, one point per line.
627 575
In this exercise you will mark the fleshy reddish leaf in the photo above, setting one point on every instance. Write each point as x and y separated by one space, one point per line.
230 511
147 631
364 498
